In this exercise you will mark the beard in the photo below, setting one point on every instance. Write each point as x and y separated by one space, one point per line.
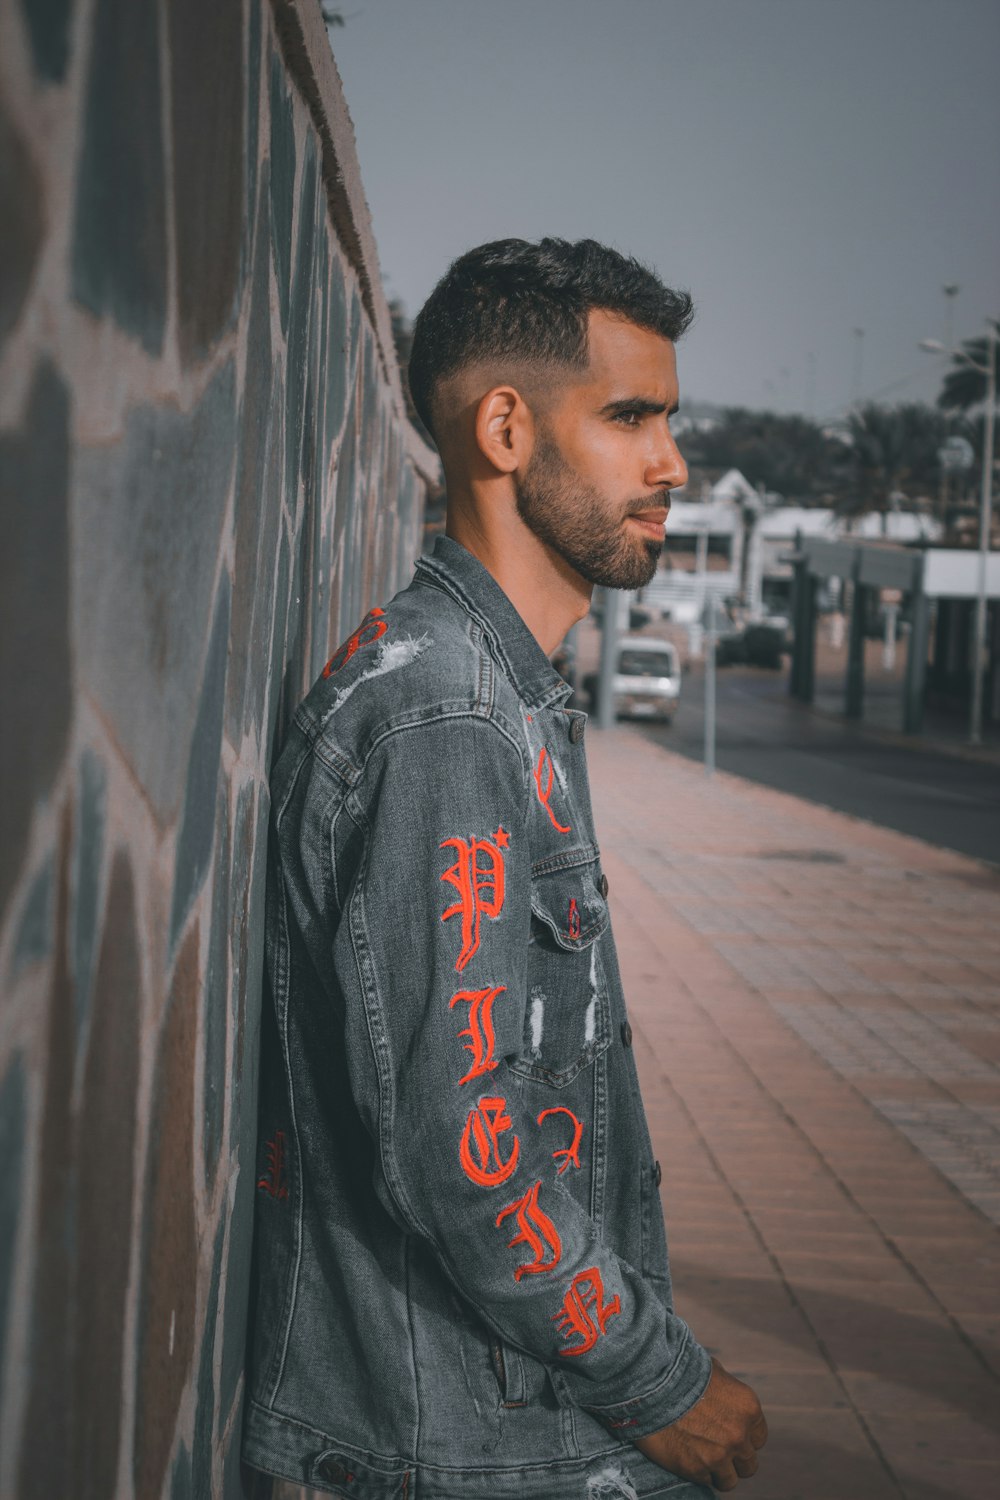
577 522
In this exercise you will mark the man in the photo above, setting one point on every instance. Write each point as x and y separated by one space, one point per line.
462 1279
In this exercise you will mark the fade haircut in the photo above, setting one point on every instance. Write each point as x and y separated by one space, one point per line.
512 302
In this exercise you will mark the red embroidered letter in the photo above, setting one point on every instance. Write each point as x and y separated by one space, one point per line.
570 1153
534 1229
585 1295
544 772
372 627
480 1029
480 887
274 1181
574 919
483 1128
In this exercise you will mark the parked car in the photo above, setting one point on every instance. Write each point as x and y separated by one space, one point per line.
759 643
647 680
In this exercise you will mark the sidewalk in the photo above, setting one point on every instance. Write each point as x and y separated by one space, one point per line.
816 1011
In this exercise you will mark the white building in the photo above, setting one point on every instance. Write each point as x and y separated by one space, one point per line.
732 546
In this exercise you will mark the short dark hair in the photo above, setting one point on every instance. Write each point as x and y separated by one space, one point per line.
523 302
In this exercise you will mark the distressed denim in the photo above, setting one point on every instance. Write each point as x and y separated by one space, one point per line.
461 1277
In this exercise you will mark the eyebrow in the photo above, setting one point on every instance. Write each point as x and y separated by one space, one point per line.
639 404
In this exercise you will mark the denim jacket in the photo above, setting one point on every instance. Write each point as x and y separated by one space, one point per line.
461 1279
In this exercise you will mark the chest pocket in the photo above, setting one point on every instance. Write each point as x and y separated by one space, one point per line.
567 1018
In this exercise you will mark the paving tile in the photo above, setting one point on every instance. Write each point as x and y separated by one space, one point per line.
821 1455
964 1297
938 1439
983 1335
719 1260
968 1399
949 1481
751 1350
846 1297
878 1271
815 1390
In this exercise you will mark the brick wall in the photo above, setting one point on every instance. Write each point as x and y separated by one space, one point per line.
207 477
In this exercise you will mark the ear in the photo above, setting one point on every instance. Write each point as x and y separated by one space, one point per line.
505 429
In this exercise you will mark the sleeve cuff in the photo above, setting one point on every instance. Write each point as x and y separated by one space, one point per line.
679 1389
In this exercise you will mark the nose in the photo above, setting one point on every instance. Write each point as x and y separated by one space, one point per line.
666 468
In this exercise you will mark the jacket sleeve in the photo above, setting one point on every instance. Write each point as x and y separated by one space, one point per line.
439 914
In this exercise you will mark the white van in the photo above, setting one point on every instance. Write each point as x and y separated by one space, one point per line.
647 681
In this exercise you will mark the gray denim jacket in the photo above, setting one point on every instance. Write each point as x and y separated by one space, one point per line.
461 1284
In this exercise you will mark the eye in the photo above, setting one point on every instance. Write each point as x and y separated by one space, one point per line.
628 418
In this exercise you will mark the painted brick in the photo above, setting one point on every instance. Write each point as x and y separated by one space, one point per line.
119 255
21 216
88 858
282 148
45 1468
161 494
34 623
207 107
170 1243
13 1105
106 1140
194 849
34 934
48 27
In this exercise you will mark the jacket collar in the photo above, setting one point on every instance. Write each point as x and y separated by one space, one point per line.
452 568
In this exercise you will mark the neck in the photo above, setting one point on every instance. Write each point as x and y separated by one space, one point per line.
547 593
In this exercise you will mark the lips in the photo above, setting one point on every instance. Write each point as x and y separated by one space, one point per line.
652 521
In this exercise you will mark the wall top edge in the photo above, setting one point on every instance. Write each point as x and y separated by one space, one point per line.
310 62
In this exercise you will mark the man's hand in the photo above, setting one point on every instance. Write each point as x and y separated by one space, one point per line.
716 1441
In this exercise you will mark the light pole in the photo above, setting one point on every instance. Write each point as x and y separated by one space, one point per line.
985 515
951 291
859 363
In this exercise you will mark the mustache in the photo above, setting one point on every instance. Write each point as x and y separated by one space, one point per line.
658 501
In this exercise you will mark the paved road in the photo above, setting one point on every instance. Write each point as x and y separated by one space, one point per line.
767 737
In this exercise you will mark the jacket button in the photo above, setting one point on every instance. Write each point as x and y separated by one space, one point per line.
603 887
657 1174
576 730
626 1034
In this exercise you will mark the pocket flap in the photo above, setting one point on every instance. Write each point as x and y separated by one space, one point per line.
566 897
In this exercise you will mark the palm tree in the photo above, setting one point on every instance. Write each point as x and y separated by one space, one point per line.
785 453
892 449
964 386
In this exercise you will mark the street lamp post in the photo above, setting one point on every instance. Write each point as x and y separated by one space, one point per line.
859 360
985 535
985 517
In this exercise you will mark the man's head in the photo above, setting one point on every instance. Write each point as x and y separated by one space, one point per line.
552 365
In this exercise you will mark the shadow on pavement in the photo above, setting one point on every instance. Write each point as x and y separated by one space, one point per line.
798 1466
862 1336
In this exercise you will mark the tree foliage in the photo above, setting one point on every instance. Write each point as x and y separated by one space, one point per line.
789 454
879 454
893 450
965 387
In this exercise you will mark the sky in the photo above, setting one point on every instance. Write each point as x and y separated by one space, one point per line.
805 168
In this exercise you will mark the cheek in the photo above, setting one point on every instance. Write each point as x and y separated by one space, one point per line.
605 459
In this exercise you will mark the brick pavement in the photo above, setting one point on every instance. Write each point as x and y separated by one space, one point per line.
816 1010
